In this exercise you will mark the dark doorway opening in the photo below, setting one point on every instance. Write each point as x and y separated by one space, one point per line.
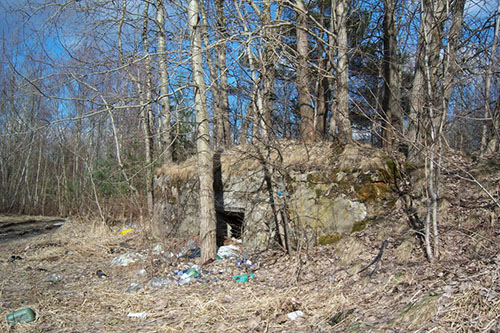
229 225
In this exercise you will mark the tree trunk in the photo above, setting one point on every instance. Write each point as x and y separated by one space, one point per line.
322 86
215 87
391 104
268 71
148 116
205 165
164 99
489 143
305 108
224 137
341 125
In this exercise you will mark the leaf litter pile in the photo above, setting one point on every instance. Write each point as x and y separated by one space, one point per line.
74 281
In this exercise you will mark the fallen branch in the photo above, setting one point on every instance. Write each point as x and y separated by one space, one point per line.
376 260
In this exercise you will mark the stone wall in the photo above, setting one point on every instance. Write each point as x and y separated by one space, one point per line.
328 194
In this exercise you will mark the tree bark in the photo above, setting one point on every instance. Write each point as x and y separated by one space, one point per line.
322 86
148 116
489 142
305 107
391 104
340 126
224 137
205 165
268 71
164 99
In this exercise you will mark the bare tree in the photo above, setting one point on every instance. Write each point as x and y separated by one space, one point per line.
164 99
340 125
204 152
305 107
391 103
224 133
147 112
490 143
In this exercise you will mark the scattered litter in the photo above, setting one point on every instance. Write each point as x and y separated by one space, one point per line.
191 244
25 315
157 250
125 230
185 280
190 250
127 258
58 224
134 286
244 277
229 252
68 252
53 278
14 258
194 253
27 248
141 315
193 272
100 274
141 272
159 282
296 314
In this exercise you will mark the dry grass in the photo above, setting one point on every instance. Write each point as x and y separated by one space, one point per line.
323 284
179 172
281 154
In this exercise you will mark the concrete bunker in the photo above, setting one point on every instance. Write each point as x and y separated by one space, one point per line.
329 191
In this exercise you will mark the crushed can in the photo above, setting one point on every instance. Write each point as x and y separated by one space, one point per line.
25 315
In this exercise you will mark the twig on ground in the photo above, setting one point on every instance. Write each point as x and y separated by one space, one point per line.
376 260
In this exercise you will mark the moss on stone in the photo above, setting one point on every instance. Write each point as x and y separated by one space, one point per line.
314 178
362 225
329 239
370 192
359 226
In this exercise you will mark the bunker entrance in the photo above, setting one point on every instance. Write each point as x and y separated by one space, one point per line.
229 225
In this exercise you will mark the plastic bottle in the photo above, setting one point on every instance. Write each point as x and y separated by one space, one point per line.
25 315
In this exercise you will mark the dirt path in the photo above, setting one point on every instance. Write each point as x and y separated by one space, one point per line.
16 227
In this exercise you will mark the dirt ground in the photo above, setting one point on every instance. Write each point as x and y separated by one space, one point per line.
55 275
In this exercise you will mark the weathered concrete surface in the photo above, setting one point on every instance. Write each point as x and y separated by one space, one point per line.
315 198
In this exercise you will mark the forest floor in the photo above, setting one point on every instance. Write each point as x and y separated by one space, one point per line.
53 271
55 275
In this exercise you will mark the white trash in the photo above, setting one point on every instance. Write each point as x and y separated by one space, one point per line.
141 315
229 252
157 250
127 258
296 314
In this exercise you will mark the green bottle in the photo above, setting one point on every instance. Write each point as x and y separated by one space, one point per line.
25 315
